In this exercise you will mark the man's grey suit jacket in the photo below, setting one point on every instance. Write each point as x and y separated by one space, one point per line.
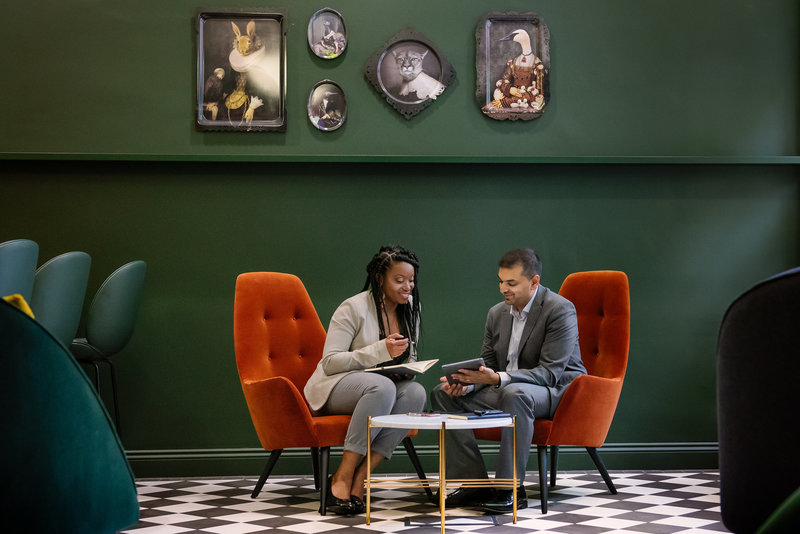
549 354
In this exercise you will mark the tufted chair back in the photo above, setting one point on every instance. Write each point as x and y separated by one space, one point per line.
276 329
584 415
278 341
602 302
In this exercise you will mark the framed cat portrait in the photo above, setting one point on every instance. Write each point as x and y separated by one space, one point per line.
513 66
409 72
241 72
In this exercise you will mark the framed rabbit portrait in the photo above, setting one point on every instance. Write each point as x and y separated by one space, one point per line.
409 72
241 72
513 66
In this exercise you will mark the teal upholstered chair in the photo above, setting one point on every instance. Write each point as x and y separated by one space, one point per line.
110 321
62 465
59 288
18 259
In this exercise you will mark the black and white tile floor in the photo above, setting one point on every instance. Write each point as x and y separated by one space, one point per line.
647 502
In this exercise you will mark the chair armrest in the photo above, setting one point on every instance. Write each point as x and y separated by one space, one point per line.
584 414
279 412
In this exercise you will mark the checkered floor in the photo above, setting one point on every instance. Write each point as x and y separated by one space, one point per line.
654 502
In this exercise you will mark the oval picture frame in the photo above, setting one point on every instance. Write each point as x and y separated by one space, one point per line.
327 33
327 106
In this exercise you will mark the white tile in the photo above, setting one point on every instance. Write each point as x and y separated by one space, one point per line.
689 522
171 519
707 498
653 499
244 517
631 482
183 508
235 528
254 506
158 529
641 490
206 488
589 501
611 522
195 497
537 524
667 510
312 526
685 481
703 490
149 490
580 491
599 511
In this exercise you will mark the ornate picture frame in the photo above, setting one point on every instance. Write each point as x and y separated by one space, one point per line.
513 66
327 33
410 72
327 106
241 72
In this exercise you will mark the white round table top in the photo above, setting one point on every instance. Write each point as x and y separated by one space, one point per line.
434 422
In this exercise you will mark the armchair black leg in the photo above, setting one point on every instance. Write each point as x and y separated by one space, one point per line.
324 459
412 454
602 468
553 464
315 461
542 476
273 458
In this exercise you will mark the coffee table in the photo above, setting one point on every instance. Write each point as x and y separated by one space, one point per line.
442 423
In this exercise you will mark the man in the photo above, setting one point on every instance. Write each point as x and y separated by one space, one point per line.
530 347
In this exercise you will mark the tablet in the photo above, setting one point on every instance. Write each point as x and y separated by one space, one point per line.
450 368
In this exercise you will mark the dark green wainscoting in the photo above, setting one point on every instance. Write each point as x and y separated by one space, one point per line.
690 238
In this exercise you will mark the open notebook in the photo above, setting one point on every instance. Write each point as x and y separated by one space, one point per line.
410 368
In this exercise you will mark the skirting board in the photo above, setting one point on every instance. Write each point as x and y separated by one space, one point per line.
251 461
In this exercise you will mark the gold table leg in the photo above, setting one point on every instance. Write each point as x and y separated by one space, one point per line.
442 474
514 457
369 474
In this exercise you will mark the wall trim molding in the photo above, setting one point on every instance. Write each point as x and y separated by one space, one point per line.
422 450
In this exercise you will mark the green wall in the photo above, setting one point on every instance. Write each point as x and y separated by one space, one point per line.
669 151
682 78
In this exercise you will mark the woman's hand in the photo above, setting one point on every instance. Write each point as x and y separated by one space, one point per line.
396 344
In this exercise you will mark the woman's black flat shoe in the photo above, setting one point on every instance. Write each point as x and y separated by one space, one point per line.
358 505
336 505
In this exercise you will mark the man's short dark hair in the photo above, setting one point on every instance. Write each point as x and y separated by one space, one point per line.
531 264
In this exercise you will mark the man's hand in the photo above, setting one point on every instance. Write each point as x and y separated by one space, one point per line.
484 375
467 377
455 390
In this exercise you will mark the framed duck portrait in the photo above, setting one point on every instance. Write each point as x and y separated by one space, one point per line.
409 72
241 71
513 66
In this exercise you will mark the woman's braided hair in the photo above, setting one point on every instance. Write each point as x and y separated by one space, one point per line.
408 315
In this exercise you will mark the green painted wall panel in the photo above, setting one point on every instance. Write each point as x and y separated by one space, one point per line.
629 78
691 238
632 82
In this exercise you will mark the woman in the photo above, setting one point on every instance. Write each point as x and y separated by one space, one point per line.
378 326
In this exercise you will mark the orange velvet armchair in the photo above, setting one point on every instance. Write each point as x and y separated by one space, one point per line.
583 417
278 340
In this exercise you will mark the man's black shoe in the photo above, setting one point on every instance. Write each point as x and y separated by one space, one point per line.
463 497
503 501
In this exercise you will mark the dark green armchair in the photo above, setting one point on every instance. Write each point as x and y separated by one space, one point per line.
63 467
